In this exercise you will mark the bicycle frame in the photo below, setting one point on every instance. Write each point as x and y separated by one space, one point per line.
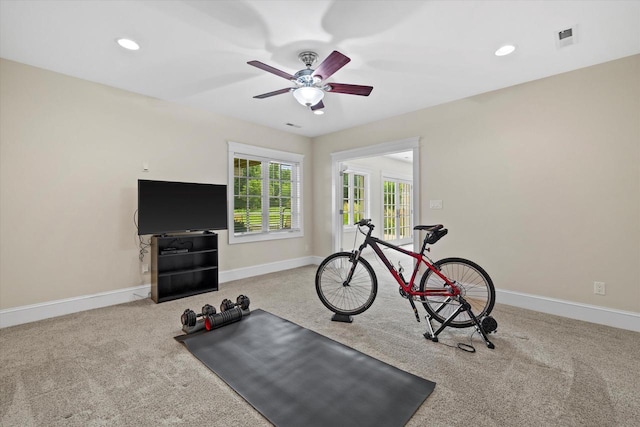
451 290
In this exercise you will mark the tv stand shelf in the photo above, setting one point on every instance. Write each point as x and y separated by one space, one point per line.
186 270
178 275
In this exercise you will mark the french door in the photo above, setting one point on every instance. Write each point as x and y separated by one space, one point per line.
397 209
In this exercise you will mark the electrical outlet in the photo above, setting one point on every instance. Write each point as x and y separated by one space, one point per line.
598 288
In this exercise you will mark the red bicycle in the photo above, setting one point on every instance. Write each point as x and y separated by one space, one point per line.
455 292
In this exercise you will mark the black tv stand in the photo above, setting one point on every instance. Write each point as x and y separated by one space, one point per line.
183 265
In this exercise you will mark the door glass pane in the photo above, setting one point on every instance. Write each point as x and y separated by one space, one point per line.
397 210
404 210
389 210
345 199
358 198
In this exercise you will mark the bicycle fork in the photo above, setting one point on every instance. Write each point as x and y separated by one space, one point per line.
355 256
354 259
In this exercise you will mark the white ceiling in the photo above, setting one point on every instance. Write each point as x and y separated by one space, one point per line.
415 54
405 156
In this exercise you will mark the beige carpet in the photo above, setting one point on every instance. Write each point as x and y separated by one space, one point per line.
121 366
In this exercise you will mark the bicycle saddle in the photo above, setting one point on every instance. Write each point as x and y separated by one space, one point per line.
430 228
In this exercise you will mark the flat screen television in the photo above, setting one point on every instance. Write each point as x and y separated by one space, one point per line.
170 207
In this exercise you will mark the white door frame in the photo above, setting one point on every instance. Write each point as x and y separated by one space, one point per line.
371 151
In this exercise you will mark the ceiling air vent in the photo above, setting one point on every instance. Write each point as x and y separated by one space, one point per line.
293 126
566 37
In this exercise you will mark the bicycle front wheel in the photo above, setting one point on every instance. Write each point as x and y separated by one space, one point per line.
475 286
344 286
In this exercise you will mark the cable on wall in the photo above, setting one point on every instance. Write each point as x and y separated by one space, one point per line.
144 246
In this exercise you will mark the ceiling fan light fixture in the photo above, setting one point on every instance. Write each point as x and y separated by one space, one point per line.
128 44
318 112
308 95
309 89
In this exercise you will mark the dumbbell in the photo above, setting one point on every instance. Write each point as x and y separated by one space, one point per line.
226 317
242 301
230 312
190 318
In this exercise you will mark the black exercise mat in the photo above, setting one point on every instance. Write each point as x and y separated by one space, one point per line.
297 377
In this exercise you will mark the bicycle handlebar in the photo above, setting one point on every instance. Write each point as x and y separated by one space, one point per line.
364 222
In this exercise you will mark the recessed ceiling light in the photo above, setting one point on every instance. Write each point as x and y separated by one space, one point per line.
318 112
128 44
505 50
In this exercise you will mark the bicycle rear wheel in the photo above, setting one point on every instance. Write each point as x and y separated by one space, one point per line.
343 296
475 286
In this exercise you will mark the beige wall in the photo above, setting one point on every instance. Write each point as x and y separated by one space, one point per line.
71 153
540 182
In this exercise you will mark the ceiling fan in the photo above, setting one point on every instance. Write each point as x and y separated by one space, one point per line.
310 86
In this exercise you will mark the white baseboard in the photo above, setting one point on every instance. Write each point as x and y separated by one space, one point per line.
45 310
34 312
257 270
588 313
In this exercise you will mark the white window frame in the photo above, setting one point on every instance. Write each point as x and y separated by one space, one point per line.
237 149
367 193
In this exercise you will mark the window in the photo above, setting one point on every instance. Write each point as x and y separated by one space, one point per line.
354 197
265 194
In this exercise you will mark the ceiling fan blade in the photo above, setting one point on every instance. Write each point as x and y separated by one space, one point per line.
318 106
275 92
270 69
350 89
331 64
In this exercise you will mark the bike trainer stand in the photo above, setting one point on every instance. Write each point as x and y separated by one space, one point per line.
464 306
